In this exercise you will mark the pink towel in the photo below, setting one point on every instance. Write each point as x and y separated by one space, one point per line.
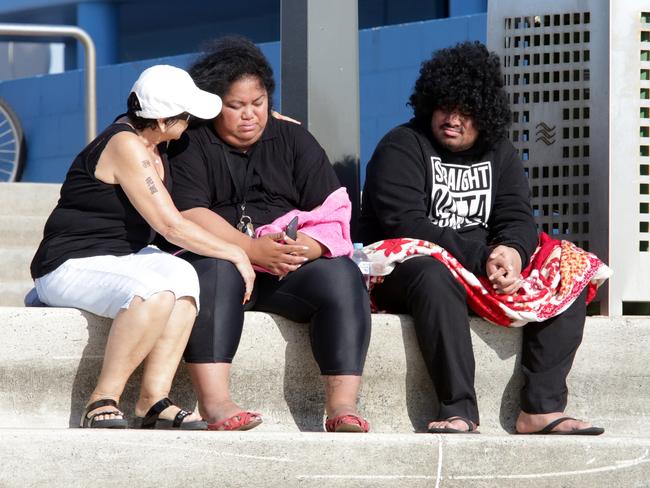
328 224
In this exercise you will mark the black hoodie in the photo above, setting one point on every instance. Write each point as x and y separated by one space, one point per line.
467 202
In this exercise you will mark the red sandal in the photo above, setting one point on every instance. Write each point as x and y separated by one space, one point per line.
240 421
347 423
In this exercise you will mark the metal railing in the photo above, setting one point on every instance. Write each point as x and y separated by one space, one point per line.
58 31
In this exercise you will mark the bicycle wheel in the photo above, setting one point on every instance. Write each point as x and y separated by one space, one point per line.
11 144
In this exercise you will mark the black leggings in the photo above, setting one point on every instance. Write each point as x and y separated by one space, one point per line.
424 288
327 293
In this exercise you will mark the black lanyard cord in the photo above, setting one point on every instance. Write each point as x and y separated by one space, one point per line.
245 224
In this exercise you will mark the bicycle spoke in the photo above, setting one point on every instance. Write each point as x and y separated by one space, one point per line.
11 155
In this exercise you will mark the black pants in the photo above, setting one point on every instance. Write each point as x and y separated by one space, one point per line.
425 289
327 293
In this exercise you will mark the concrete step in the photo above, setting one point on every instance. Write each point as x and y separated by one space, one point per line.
12 293
51 358
28 198
80 458
21 230
14 263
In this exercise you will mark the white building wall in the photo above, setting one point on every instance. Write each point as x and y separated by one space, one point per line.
629 160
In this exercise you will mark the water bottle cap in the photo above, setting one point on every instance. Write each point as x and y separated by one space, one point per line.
358 245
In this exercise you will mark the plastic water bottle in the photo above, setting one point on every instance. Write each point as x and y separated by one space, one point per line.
361 260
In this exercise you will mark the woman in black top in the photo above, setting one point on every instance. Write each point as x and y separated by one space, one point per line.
243 170
96 252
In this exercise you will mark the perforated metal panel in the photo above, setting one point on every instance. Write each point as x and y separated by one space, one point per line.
581 110
644 132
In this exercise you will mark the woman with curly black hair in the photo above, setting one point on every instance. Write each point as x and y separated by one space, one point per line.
241 171
451 177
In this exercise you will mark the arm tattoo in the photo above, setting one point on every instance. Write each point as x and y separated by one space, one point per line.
145 163
150 183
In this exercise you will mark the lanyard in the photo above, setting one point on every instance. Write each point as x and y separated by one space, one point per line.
245 224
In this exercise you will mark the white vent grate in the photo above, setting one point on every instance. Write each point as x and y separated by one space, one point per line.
644 134
546 61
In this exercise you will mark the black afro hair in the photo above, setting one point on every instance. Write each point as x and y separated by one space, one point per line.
465 77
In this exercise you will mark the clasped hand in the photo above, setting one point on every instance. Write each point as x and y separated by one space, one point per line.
281 255
503 269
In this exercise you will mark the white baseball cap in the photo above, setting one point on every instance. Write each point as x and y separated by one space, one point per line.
165 91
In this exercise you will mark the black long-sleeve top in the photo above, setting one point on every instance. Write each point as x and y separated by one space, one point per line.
286 169
92 218
467 202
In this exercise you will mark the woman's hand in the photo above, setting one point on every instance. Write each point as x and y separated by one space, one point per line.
243 265
314 248
271 252
279 116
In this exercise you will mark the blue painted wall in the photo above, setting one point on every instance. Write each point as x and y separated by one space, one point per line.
389 63
51 108
467 7
151 29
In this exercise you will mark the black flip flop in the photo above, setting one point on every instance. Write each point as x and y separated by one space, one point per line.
548 430
152 421
88 418
471 427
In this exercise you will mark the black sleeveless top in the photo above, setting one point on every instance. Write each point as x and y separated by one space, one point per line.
92 218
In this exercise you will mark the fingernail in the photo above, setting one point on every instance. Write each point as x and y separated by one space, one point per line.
305 259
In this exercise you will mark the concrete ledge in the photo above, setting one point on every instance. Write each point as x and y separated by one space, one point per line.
51 358
76 458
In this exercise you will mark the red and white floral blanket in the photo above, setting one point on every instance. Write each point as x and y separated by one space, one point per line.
557 274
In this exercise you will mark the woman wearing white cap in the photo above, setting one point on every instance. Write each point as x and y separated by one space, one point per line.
96 253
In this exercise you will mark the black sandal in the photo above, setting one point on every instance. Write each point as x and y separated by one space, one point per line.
152 421
548 430
88 418
472 428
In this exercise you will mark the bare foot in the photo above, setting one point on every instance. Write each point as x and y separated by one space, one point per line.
528 422
168 414
219 411
341 393
453 423
338 410
100 416
103 413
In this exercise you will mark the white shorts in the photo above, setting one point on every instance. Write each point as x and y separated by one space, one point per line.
104 285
